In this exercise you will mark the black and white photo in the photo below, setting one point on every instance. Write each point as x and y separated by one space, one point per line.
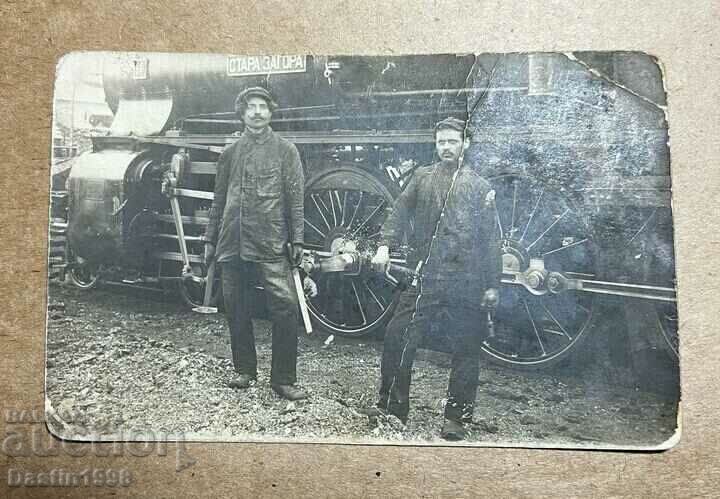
448 249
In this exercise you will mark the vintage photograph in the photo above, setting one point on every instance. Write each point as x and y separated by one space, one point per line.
452 249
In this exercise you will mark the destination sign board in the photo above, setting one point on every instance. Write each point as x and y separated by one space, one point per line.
246 65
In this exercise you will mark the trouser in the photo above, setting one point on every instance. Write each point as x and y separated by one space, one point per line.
457 323
237 285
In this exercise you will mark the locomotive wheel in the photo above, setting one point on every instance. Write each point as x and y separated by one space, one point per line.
344 209
84 276
193 293
540 229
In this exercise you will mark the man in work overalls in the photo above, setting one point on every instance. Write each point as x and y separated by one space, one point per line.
454 233
257 210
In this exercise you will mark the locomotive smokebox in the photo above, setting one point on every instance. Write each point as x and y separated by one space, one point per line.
98 196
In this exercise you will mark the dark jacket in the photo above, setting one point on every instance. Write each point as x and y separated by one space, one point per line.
258 204
466 250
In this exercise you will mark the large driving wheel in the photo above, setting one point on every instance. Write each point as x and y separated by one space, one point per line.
344 209
541 232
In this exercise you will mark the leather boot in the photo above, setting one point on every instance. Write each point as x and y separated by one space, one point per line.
452 430
241 381
289 392
374 412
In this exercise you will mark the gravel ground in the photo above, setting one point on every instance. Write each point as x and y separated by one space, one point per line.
137 363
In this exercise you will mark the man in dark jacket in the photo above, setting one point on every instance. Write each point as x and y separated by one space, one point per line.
257 210
446 212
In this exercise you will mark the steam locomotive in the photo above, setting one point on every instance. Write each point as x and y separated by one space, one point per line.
576 146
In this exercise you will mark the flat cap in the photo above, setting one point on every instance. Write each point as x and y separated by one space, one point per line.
452 123
254 92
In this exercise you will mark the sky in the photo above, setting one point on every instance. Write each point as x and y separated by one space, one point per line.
79 74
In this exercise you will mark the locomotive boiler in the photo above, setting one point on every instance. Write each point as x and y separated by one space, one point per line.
574 144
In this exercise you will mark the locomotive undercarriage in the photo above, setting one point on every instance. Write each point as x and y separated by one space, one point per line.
553 266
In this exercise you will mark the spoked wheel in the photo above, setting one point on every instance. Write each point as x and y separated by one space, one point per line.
541 232
344 209
193 293
84 276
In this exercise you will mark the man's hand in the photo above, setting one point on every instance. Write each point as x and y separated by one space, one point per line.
310 287
209 253
381 260
297 254
491 298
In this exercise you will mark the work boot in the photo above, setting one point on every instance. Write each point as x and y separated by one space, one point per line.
453 431
289 392
241 381
374 412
